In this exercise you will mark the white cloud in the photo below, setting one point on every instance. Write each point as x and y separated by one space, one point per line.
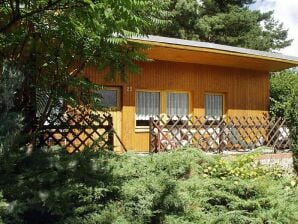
286 11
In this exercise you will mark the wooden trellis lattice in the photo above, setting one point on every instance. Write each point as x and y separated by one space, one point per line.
77 129
217 133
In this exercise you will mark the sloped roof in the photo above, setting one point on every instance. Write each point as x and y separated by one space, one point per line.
166 42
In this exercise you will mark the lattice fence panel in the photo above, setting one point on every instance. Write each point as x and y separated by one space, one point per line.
218 133
77 129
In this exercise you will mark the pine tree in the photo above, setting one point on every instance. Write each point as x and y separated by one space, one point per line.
229 22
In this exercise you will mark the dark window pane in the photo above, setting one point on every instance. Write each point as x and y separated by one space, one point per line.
180 122
142 123
109 98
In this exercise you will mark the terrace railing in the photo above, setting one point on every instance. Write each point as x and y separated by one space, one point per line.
218 133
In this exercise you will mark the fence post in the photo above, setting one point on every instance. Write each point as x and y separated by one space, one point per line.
151 133
110 132
221 135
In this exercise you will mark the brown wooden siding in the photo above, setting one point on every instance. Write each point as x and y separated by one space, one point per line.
246 92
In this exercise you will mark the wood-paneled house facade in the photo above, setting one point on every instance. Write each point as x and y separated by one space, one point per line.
189 77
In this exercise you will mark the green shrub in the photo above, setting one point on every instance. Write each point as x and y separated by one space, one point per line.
292 119
51 186
211 200
282 85
284 103
3 208
10 120
243 166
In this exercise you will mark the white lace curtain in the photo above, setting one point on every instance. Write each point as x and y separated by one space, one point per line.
177 104
214 105
147 105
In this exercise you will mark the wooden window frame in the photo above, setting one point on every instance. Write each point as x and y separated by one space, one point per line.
118 95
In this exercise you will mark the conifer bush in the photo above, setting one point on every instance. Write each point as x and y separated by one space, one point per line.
3 208
184 186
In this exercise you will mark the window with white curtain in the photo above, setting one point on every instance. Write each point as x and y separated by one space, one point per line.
147 105
177 104
213 105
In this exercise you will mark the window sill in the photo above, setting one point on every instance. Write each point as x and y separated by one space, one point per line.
141 129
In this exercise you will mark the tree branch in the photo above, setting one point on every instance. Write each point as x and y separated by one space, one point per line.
17 7
12 8
78 69
18 17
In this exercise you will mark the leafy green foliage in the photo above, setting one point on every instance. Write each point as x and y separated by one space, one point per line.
225 22
51 186
284 103
282 85
52 42
242 166
292 118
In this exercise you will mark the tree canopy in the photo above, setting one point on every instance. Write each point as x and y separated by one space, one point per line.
50 42
86 31
229 22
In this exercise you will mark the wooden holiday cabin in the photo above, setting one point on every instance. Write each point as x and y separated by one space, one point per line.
189 77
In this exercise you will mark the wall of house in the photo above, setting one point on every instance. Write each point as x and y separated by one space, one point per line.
246 92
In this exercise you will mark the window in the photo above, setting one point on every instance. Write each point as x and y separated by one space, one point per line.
110 97
147 105
213 105
177 104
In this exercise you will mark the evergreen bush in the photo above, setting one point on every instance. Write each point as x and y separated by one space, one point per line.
3 208
184 186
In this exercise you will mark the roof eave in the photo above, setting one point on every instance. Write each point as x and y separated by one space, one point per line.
290 61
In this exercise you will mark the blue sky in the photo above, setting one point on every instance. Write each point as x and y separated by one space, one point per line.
286 11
